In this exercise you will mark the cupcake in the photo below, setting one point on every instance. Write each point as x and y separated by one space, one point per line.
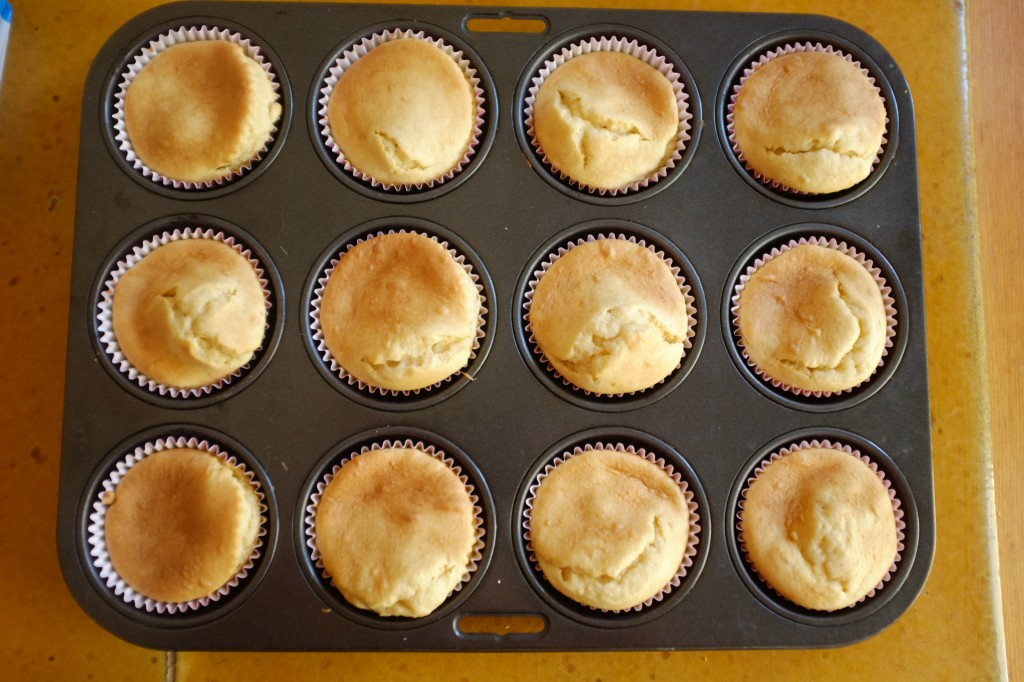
609 529
610 316
811 121
190 313
606 120
399 313
199 111
181 524
405 113
396 531
818 525
813 319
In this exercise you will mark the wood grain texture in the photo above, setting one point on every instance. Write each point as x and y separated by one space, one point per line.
996 74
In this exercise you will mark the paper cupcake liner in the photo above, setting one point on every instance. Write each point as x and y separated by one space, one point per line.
104 314
314 501
360 49
839 447
321 343
97 526
763 59
186 34
832 243
691 309
635 49
692 540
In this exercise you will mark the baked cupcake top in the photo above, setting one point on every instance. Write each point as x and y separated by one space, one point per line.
399 313
812 121
395 529
404 113
610 317
813 318
190 313
183 522
819 526
199 111
606 119
609 529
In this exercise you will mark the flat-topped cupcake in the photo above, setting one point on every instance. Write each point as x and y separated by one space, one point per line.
399 313
403 114
610 317
190 313
609 529
606 120
813 318
395 529
181 524
811 121
200 110
819 527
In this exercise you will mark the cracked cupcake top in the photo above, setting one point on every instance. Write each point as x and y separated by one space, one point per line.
403 114
812 121
609 529
814 318
395 529
189 313
819 526
610 316
399 313
606 119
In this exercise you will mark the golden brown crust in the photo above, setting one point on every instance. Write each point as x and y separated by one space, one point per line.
819 526
398 312
395 529
404 113
814 318
189 313
811 121
182 524
610 317
200 110
609 529
606 119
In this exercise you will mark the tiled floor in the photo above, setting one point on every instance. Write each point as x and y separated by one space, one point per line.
950 632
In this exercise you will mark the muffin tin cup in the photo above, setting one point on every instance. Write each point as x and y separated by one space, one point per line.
824 45
187 34
897 508
645 53
96 539
437 449
593 236
360 49
104 312
837 245
320 344
692 540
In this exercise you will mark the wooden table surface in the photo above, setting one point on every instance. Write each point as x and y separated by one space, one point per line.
953 631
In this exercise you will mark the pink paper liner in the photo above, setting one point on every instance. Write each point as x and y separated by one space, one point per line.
321 343
691 310
314 500
186 34
97 526
693 538
635 49
360 49
766 57
839 447
832 243
104 314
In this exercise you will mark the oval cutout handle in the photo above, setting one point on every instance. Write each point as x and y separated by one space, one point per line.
501 625
506 23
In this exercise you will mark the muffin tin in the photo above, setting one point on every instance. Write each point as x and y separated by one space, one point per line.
289 418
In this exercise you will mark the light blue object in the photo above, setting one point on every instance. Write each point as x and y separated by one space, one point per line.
6 12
